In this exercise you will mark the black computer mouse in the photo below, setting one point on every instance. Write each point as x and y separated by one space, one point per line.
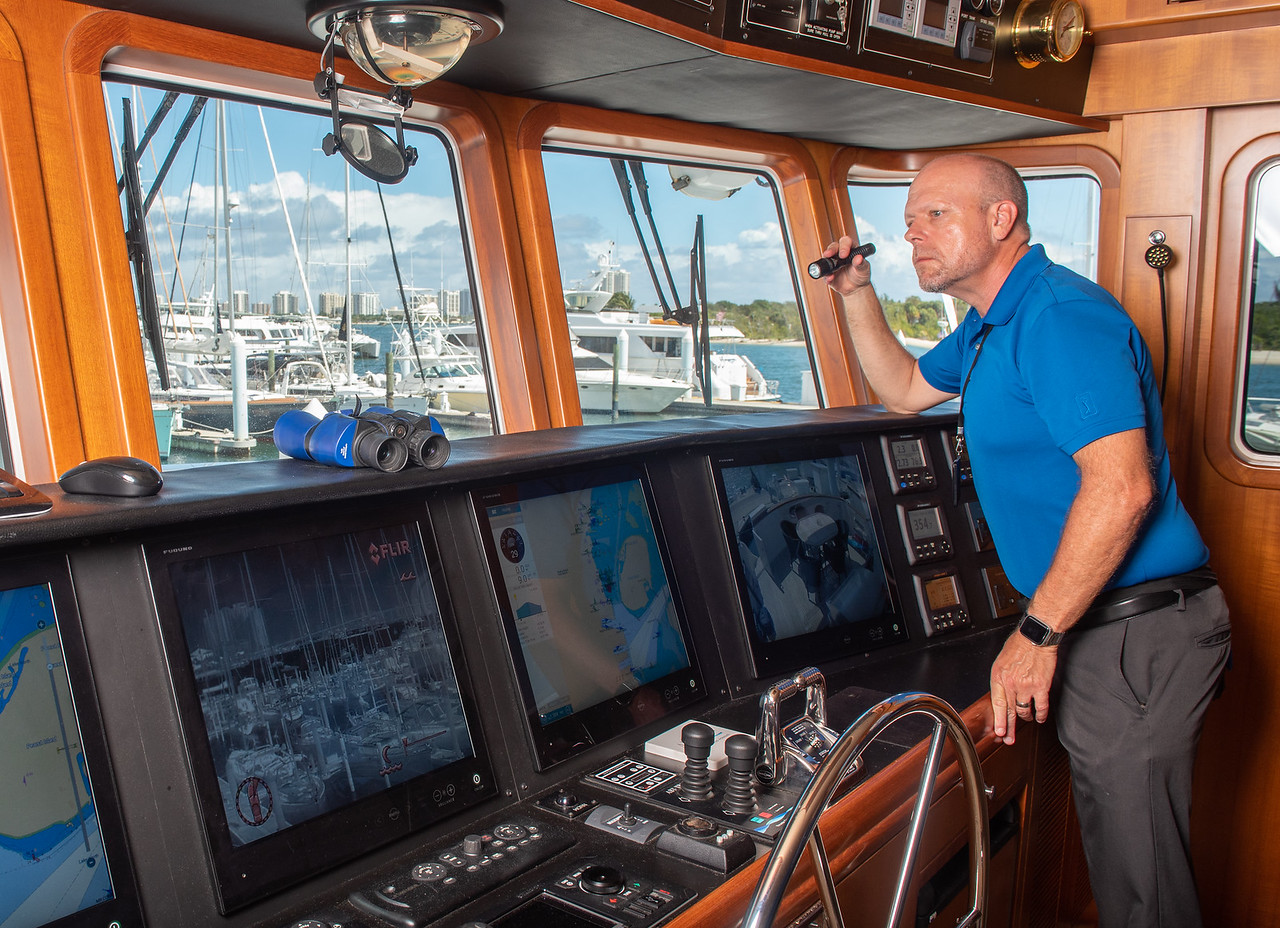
113 476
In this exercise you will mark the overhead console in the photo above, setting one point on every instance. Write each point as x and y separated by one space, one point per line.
1028 53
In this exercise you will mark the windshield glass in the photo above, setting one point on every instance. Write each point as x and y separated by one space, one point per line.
338 288
678 277
1062 210
1259 413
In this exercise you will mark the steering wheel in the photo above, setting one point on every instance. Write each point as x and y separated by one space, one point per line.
802 827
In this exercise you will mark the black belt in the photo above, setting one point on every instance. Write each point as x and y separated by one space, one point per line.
1128 601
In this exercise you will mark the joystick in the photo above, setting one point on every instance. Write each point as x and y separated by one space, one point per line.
696 781
739 791
600 879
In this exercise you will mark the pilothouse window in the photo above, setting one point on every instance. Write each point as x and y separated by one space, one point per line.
1259 413
678 276
1063 212
339 288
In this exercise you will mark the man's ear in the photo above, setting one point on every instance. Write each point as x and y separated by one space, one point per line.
1003 216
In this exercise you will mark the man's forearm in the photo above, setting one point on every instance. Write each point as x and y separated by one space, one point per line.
889 367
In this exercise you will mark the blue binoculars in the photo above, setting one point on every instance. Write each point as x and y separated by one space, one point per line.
378 437
339 439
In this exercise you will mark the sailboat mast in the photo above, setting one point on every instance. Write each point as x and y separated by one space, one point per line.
226 212
351 314
217 167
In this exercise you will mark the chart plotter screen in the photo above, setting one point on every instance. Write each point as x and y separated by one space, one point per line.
52 860
592 616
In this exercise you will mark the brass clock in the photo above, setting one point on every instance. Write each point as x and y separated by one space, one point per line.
1047 30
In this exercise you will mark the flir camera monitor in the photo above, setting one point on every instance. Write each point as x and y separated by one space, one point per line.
807 549
594 625
322 708
63 859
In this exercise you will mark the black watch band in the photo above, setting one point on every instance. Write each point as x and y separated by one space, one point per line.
1039 634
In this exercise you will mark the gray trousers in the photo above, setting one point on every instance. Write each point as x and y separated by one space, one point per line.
1130 700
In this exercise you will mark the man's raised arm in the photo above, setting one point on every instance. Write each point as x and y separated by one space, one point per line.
892 371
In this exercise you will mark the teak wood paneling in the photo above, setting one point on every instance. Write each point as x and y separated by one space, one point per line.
34 333
1239 512
1182 72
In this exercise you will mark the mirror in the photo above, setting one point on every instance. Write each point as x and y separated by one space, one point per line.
366 147
370 150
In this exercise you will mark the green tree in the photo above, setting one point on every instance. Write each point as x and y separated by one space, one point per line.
914 317
762 319
621 300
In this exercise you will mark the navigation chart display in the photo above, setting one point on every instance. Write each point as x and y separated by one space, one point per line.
591 613
52 862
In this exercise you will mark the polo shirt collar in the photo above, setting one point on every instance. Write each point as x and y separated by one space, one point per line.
1015 286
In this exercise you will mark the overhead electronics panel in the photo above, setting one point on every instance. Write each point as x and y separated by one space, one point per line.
1031 53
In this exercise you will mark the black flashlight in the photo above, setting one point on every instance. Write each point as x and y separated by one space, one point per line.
824 266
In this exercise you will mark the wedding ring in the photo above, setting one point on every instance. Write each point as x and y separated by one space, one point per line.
1022 705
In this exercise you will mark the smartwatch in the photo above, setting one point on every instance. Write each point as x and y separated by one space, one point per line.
1039 634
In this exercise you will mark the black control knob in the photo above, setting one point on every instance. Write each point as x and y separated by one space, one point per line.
472 846
600 879
696 781
740 790
566 800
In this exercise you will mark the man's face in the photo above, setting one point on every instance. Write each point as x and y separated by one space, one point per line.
947 227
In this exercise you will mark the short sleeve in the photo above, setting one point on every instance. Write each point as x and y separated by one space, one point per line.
1085 383
941 364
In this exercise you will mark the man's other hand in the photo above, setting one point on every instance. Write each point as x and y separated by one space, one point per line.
1020 680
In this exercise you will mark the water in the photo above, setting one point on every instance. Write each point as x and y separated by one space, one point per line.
783 362
1264 380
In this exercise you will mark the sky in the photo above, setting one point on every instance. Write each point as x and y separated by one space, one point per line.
745 252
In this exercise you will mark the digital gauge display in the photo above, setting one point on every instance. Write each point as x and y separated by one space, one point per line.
924 523
908 454
942 593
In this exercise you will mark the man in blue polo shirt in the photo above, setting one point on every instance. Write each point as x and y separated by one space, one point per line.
1061 420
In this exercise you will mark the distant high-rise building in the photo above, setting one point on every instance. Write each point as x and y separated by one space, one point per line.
466 306
451 305
260 308
367 304
240 300
331 303
284 303
616 280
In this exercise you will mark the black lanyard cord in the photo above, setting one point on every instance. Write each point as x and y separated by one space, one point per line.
961 451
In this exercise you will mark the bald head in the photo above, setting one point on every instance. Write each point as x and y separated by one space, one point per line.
993 179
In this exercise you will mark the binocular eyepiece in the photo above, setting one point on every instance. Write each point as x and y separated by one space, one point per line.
422 434
378 437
